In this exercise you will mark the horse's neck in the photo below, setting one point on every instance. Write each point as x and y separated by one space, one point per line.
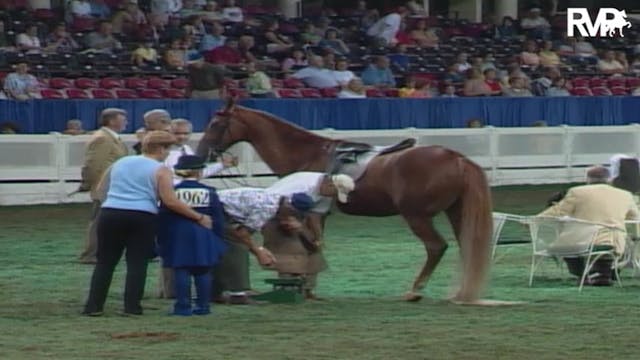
287 149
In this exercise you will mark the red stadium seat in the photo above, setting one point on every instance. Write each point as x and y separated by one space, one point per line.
174 93
600 91
150 94
60 83
580 82
310 93
392 92
86 83
77 94
619 90
277 83
375 93
231 83
102 94
581 91
289 93
180 83
111 83
157 83
135 83
616 82
633 83
330 92
126 94
293 83
51 94
597 82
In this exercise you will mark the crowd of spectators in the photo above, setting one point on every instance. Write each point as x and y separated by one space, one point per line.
252 52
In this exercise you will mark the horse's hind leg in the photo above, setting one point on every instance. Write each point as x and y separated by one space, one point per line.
435 245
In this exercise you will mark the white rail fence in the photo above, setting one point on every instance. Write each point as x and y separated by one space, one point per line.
37 169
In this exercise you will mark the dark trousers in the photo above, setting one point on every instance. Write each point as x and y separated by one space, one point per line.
118 230
203 282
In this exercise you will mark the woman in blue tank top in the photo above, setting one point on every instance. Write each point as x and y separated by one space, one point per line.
134 185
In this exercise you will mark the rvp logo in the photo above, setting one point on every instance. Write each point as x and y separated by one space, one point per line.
608 21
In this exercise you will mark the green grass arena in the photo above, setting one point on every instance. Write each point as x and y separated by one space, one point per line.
372 262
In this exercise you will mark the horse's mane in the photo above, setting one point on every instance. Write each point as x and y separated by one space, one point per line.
295 130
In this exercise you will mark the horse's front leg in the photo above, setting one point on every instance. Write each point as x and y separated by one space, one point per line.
435 246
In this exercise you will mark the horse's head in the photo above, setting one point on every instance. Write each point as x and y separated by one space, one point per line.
224 130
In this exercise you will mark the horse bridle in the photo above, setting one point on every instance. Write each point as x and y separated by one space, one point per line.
222 128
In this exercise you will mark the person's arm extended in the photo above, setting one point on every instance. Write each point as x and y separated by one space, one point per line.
242 235
164 179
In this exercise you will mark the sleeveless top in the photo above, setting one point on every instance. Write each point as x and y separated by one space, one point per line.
133 184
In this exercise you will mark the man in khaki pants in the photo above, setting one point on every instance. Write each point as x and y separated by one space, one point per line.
104 148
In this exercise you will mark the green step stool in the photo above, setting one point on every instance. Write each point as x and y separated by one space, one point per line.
285 291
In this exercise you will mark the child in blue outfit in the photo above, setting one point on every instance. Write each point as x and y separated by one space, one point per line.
187 247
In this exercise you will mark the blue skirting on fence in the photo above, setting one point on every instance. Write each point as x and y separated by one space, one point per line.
42 116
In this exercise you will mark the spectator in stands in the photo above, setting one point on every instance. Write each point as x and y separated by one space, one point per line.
621 56
529 56
547 56
80 9
488 62
370 18
635 65
558 88
424 37
636 91
20 85
207 80
517 88
449 92
461 64
274 40
228 54
245 45
453 76
333 43
211 13
60 41
329 60
342 73
475 84
584 49
189 8
384 31
415 8
540 85
316 75
308 35
609 65
145 55
414 88
100 10
490 78
354 90
166 8
535 25
214 39
506 30
258 83
379 74
232 13
5 44
399 58
74 127
295 61
128 20
103 149
175 57
28 41
9 128
103 40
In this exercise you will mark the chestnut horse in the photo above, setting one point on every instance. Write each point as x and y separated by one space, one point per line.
416 183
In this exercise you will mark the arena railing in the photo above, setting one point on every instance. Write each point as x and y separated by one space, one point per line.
46 168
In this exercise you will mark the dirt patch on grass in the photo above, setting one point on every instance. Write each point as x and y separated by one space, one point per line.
157 336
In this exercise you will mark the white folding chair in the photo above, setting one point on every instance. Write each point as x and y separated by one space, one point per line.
553 237
499 219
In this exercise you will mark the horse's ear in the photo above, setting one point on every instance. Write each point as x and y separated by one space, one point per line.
231 103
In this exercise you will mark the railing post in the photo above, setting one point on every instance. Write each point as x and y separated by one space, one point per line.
493 153
567 148
60 151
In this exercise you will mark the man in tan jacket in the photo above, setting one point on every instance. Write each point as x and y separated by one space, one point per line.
104 148
600 203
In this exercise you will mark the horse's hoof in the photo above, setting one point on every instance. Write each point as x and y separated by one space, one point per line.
412 296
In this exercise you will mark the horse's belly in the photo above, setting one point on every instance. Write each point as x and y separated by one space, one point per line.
368 203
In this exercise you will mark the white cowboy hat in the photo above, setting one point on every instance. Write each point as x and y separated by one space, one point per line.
344 184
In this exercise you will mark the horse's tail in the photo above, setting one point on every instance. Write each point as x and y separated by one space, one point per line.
476 231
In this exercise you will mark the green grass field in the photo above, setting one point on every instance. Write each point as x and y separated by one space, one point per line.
372 262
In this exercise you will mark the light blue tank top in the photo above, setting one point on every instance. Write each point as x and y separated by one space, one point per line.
133 184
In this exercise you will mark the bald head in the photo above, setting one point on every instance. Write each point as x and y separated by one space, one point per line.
597 175
157 119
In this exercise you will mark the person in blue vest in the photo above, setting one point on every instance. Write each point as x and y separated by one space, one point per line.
189 249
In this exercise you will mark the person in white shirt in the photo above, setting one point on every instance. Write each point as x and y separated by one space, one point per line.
29 41
387 27
342 73
181 129
316 75
232 13
354 90
80 8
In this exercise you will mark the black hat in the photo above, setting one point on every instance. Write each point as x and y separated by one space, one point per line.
190 162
